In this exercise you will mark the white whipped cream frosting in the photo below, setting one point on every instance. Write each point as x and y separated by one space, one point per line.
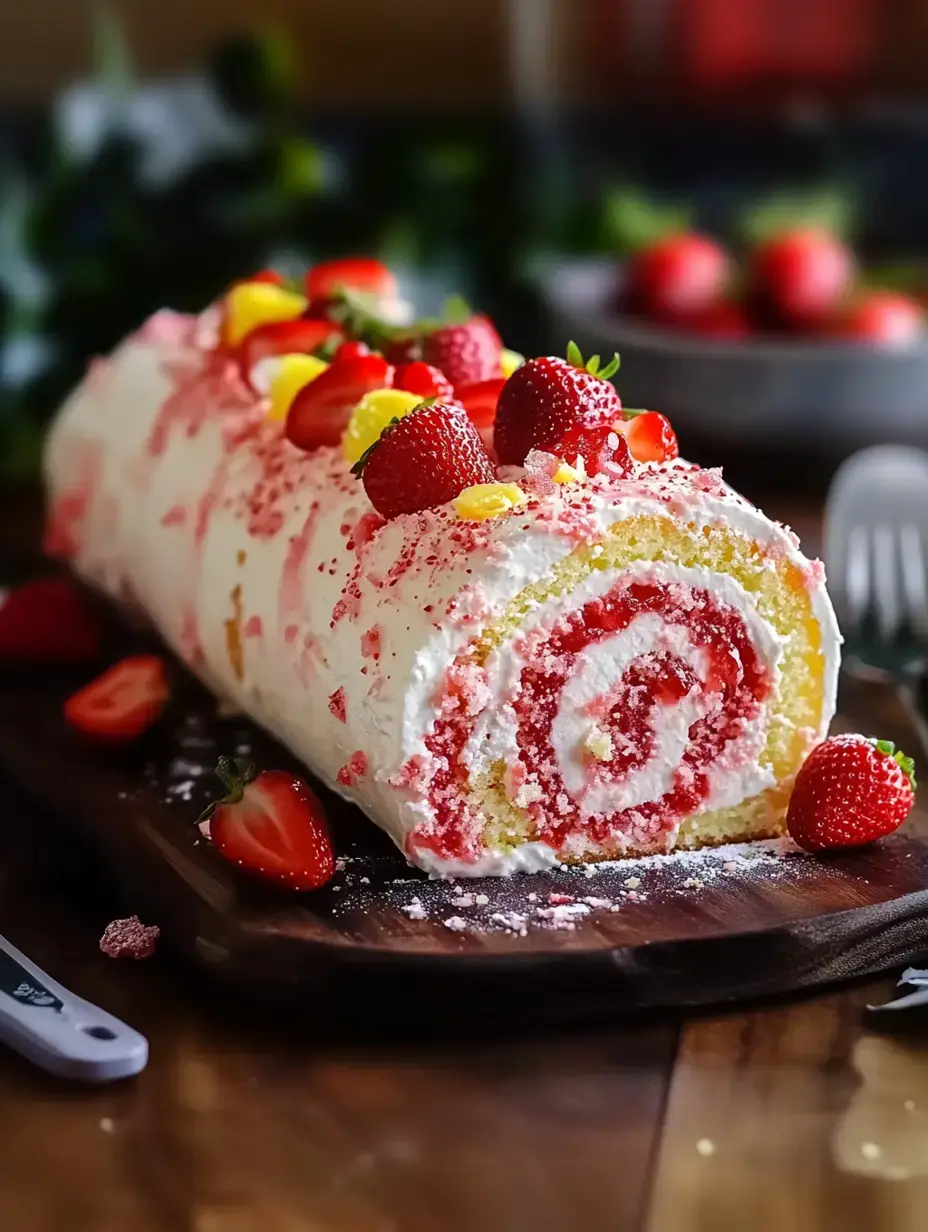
258 543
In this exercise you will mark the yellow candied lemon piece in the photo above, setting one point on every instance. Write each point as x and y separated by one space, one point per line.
566 473
371 416
294 373
250 304
509 361
488 500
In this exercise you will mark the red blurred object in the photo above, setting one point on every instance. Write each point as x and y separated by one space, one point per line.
799 278
677 279
355 273
651 438
479 399
725 321
301 336
884 317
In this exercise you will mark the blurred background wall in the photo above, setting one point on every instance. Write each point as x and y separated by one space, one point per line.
152 150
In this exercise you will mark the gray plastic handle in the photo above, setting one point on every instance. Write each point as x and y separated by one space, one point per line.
60 1032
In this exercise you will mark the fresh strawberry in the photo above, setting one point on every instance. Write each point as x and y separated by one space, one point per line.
425 459
302 336
122 703
320 412
677 278
547 397
850 791
422 379
272 826
363 274
884 317
480 399
48 621
602 449
352 350
466 352
650 437
799 278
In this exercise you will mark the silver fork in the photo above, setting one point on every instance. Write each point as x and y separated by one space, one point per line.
876 555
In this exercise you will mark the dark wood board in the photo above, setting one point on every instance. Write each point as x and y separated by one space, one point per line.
686 933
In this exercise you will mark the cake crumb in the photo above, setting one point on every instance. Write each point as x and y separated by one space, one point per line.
705 1147
481 900
415 910
106 1124
870 1150
129 938
693 883
456 924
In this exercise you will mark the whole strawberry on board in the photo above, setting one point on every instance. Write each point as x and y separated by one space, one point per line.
425 459
850 791
272 826
548 397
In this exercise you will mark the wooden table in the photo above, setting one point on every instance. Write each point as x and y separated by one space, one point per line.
786 1117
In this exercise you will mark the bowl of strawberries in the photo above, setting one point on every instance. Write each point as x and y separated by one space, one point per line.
789 338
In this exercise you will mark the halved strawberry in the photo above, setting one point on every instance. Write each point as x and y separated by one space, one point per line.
272 826
122 703
602 449
422 379
479 399
49 621
363 274
650 437
425 459
320 412
302 336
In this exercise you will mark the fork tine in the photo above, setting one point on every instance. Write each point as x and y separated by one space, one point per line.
886 603
914 581
857 575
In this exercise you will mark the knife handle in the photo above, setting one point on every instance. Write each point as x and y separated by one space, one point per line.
60 1032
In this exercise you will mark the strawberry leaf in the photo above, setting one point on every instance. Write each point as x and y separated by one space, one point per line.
235 775
606 374
358 468
574 355
628 413
906 764
455 311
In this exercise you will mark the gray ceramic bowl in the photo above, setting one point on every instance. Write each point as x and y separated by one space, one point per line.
838 396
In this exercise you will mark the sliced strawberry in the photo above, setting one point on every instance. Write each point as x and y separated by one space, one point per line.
422 379
547 397
272 826
320 412
479 399
49 621
363 274
426 459
302 336
602 449
122 703
650 437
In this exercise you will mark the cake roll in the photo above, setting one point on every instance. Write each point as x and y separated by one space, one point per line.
616 666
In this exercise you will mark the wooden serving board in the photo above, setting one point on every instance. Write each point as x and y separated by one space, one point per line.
663 932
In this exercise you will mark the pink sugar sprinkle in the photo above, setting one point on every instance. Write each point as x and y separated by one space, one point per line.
129 938
252 627
290 634
337 706
353 769
371 643
367 527
414 774
540 468
175 516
